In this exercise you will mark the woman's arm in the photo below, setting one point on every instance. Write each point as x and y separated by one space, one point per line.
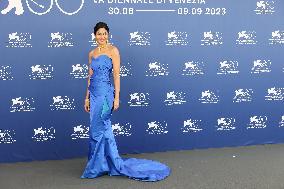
89 75
116 75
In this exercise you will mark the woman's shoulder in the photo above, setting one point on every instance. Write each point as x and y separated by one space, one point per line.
91 52
114 49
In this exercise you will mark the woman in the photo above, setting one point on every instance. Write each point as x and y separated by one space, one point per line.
101 99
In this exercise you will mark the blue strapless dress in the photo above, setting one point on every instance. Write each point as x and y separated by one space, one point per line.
103 157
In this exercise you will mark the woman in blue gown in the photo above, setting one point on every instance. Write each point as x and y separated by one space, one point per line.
102 99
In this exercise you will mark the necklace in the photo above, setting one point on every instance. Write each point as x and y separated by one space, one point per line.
102 47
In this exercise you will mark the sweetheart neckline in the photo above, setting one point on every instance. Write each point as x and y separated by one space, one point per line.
100 56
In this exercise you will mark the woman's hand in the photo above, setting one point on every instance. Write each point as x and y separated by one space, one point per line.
87 105
115 103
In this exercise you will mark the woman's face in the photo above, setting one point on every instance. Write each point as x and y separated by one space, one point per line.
102 36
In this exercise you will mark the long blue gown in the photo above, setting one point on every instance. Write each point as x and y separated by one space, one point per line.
103 157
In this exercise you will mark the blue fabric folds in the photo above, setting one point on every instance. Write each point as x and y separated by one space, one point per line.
103 157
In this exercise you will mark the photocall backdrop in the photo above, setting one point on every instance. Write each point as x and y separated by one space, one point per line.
194 74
